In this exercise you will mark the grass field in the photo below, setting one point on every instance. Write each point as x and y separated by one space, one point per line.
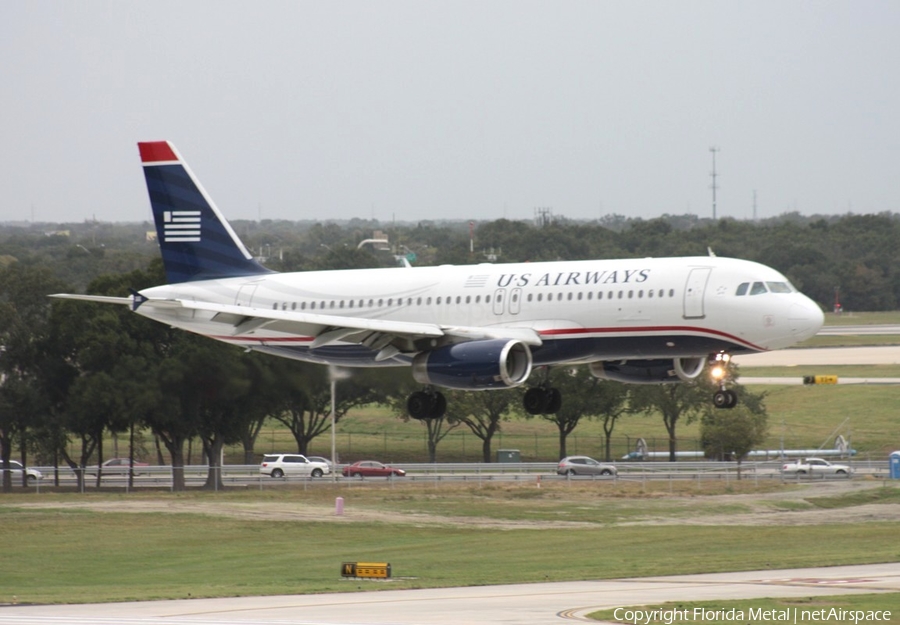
96 547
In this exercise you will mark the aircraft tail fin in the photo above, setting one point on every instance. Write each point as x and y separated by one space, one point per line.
196 241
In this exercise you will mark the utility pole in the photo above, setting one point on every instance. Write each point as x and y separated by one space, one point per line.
714 175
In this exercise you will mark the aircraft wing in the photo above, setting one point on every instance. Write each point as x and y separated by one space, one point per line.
388 336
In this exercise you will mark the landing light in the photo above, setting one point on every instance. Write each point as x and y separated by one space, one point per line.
717 372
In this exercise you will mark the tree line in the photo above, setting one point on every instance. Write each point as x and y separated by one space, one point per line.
73 371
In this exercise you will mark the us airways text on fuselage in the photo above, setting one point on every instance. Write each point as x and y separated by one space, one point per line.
576 278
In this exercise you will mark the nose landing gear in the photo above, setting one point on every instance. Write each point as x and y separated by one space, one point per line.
718 369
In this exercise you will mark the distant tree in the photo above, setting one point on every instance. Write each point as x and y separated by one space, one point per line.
304 393
24 313
734 433
676 402
585 396
482 412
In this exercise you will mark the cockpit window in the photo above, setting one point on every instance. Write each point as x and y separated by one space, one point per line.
742 288
779 287
758 288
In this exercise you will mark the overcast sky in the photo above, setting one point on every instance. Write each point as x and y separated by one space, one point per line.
430 110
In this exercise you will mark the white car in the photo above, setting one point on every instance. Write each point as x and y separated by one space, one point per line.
292 465
815 466
16 468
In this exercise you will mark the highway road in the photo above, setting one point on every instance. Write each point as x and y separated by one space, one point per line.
521 604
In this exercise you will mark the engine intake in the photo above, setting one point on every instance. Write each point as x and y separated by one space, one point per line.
496 363
657 371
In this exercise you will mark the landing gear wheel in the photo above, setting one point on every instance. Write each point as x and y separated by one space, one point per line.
725 399
419 405
539 400
426 405
535 401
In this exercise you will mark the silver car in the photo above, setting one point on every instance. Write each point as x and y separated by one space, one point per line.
16 468
583 465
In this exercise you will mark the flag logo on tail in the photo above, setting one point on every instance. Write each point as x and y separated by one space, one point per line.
181 226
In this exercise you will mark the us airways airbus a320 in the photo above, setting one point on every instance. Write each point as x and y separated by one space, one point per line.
474 327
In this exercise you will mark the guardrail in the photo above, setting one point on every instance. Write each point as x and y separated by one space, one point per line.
249 475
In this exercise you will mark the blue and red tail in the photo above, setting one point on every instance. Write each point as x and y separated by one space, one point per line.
196 241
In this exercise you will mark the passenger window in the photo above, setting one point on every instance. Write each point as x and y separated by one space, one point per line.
757 288
742 288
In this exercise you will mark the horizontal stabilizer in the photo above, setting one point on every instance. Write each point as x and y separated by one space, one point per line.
105 299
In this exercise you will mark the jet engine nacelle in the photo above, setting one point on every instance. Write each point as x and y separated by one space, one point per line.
495 363
658 371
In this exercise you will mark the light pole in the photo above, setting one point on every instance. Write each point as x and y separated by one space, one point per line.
334 374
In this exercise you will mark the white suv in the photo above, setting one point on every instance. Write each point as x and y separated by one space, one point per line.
292 465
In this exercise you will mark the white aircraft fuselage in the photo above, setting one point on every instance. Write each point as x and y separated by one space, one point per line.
581 311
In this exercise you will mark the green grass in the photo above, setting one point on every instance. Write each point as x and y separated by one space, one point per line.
863 318
802 608
886 495
60 554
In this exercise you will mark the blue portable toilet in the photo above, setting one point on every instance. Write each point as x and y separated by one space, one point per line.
895 465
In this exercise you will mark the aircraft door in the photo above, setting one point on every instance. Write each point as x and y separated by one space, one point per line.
499 303
515 301
693 292
245 295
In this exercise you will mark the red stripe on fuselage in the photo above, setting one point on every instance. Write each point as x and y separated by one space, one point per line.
156 151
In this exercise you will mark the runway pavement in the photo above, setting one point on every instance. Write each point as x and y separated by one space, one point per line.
523 604
822 356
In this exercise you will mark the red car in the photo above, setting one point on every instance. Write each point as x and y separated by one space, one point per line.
370 468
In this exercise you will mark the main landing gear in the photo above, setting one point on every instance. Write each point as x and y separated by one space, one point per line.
542 399
427 404
718 369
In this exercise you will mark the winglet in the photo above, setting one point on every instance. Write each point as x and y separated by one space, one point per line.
196 241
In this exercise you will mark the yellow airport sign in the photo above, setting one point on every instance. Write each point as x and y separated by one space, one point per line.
378 570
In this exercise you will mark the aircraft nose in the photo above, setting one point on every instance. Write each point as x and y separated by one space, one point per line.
806 318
